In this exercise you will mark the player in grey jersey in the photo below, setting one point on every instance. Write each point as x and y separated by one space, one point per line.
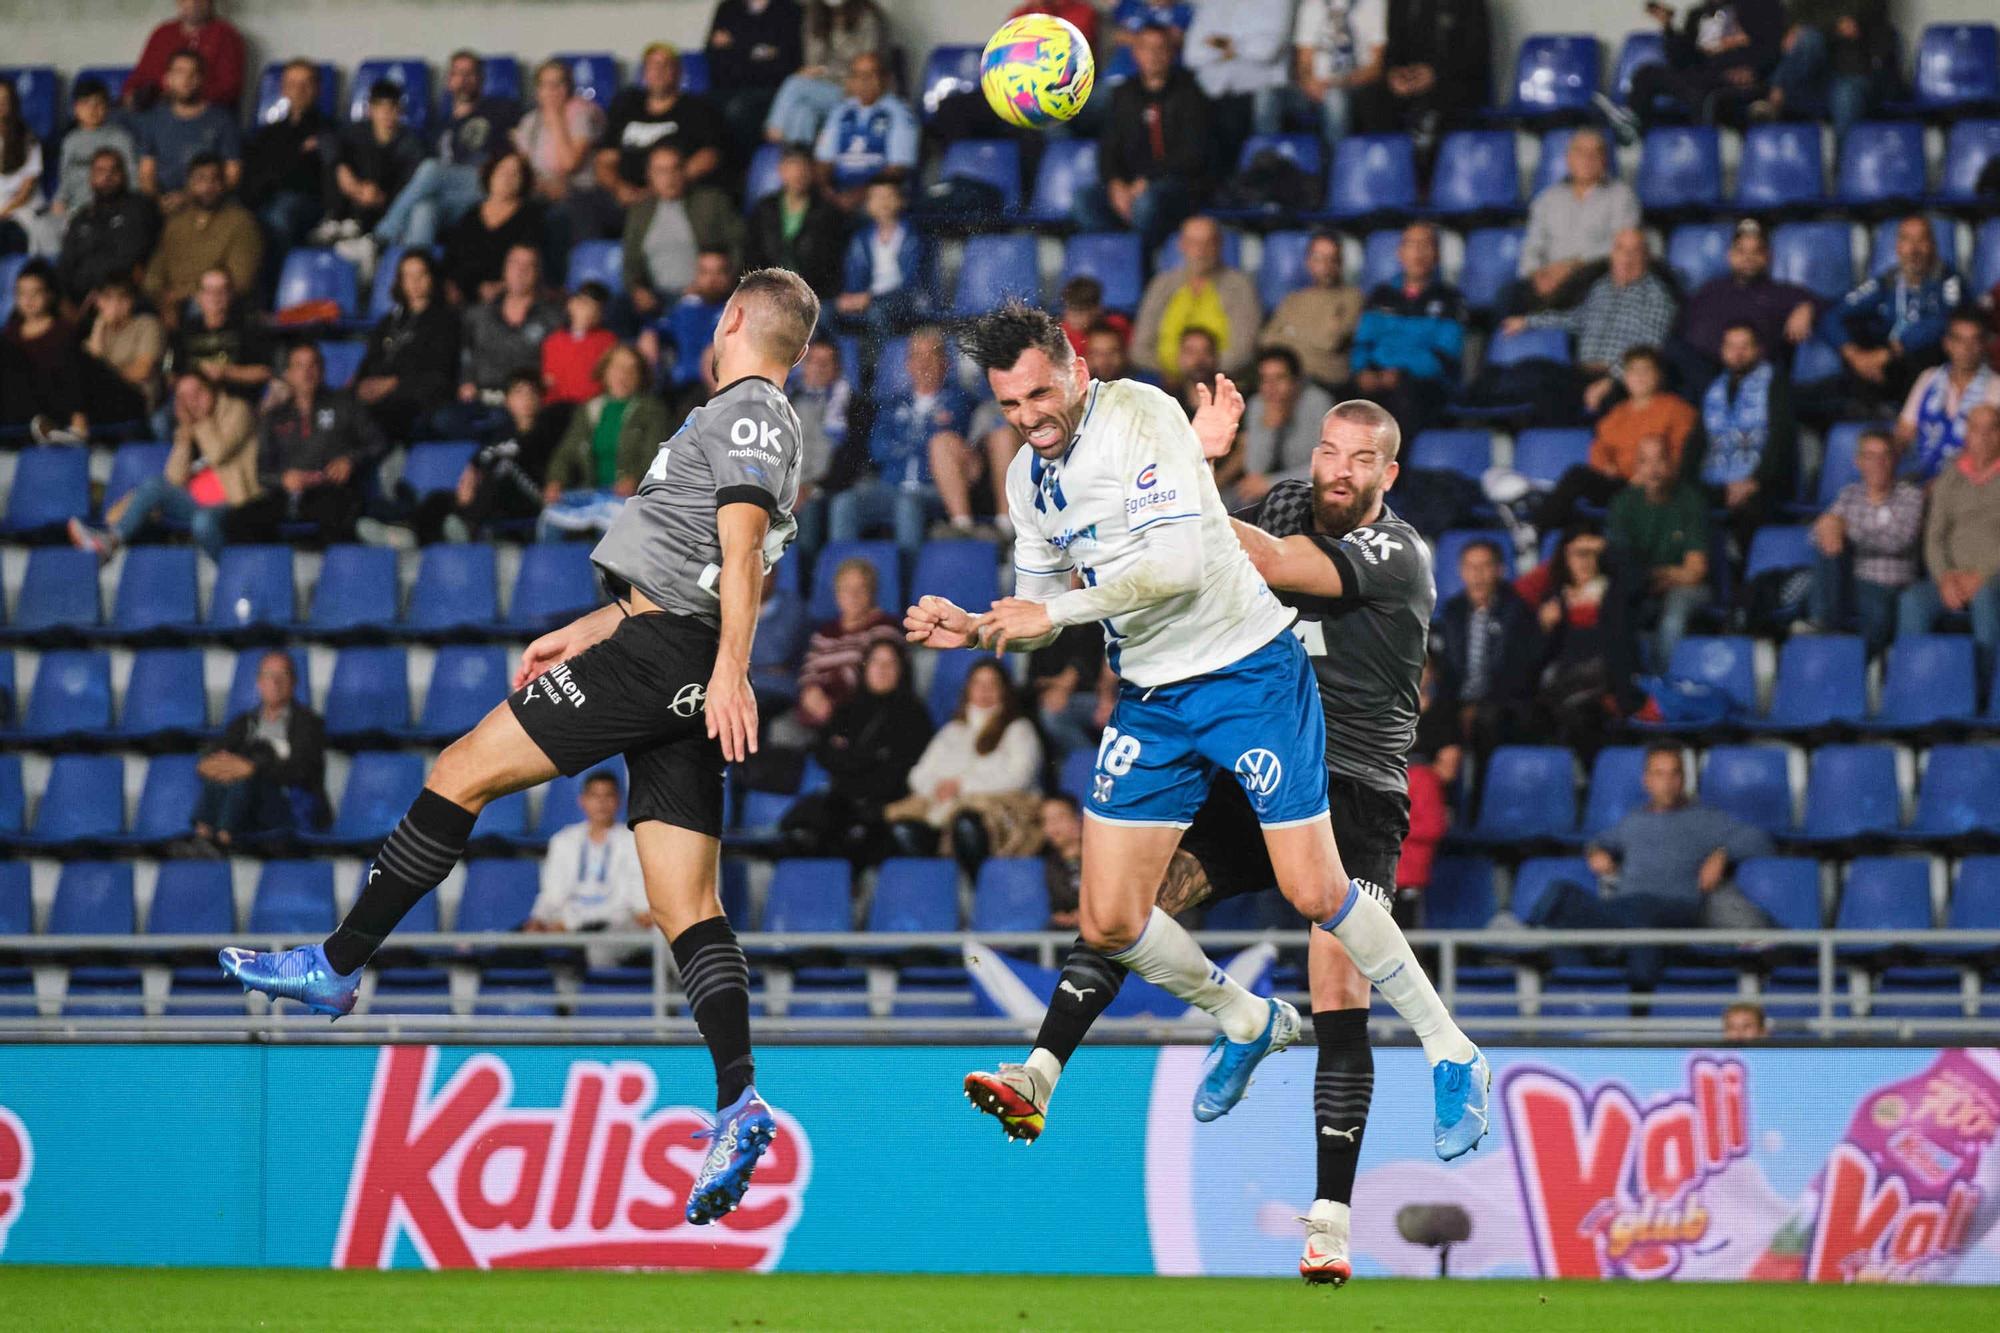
661 676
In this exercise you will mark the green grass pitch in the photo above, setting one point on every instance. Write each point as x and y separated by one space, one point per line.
166 1301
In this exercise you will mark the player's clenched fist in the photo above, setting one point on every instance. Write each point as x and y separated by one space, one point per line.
936 622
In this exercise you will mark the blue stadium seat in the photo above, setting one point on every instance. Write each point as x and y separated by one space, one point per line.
1986 256
1555 74
166 801
13 808
1851 793
36 89
17 908
1544 453
1449 547
996 267
156 591
695 76
1727 662
164 696
1786 887
1075 775
1930 682
380 787
436 466
1816 255
131 465
1751 782
1969 146
1882 243
1680 168
597 261
83 800
10 269
1492 259
1781 167
71 696
948 682
1881 162
559 808
1307 152
1461 894
498 894
503 80
1552 160
113 78
1373 175
409 73
1615 787
503 821
1959 794
1282 268
1068 165
243 680
293 898
369 694
1884 893
888 576
962 570
1975 901
1698 251
1169 253
1379 263
1115 258
1957 65
1822 682
1775 548
1537 875
343 360
356 590
271 105
192 898
457 587
1837 467
466 681
1530 795
58 592
595 74
1476 172
994 162
93 898
51 486
762 177
556 583
810 894
1010 893
253 589
948 71
761 811
1465 451
915 894
310 274
1511 349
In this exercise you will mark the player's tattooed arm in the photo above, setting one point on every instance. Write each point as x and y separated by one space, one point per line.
1289 564
1185 885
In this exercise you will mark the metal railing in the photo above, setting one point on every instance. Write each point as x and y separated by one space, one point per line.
1829 1012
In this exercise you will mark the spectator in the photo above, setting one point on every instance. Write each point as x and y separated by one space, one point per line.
1083 307
1337 58
1629 306
315 450
834 36
1839 60
372 161
111 236
1962 544
591 879
868 749
1065 677
1748 442
221 342
975 781
1435 70
653 115
1280 427
1868 542
211 471
1647 411
1105 356
912 433
679 340
124 348
284 164
1200 293
557 137
1239 52
508 218
1782 313
1195 367
410 370
504 338
45 346
1568 594
794 227
871 135
1933 417
830 672
1062 857
1412 333
93 132
210 231
1572 226
1155 158
25 224
1430 823
267 773
1317 322
180 132
195 30
572 355
604 454
822 396
887 275
446 187
1658 537
1488 649
1744 1022
1889 327
1671 863
668 226
1717 63
753 46
504 480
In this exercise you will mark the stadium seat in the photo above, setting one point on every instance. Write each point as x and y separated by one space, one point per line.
1957 66
71 697
271 105
369 695
1882 243
17 908
595 74
597 261
13 800
1786 887
1816 256
1374 175
58 593
888 576
1307 152
1543 453
164 696
1532 344
166 801
1461 895
253 589
1776 548
559 808
1884 893
1281 270
503 79
948 682
93 898
1449 547
131 465
1076 774
1680 169
293 898
356 591
810 895
36 89
192 898
380 787
915 894
1959 795
555 584
762 177
1467 452
1837 467
82 801
759 813
1555 75
1781 167
435 466
1169 254
243 680
10 269
1379 262
1067 165
1698 251
1930 682
503 821
409 73
948 71
51 486
1822 682
1615 787
310 274
994 162
1011 893
1986 256
1537 875
1851 793
343 360
457 587
996 267
1751 782
695 76
1881 163
1492 258
499 893
156 592
1116 259
963 571
1476 172
1969 146
1975 902
1529 796
113 78
1727 662
467 680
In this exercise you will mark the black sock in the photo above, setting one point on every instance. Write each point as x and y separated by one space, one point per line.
1341 1091
1090 982
419 853
715 977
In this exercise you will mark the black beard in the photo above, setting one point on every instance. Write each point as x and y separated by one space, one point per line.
1337 520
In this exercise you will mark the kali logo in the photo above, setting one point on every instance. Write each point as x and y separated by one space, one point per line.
1100 788
1260 772
689 700
17 1163
1148 476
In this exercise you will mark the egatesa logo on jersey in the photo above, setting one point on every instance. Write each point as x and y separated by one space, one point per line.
17 1163
598 1181
1147 480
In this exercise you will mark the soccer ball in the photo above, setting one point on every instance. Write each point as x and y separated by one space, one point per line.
1037 70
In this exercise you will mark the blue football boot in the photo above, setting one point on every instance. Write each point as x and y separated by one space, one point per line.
1231 1063
301 974
1459 1089
741 1133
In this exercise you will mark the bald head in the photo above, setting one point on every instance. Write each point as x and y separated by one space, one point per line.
1373 416
779 312
1982 434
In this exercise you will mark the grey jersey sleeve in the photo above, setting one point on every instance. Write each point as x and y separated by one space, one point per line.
752 446
1378 564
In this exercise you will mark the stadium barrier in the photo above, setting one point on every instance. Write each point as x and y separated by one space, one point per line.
1745 1164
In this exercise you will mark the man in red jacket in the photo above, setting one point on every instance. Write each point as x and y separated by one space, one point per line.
195 28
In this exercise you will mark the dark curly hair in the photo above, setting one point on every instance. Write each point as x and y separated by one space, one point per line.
997 340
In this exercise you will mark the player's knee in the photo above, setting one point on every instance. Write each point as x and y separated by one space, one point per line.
1315 901
1111 932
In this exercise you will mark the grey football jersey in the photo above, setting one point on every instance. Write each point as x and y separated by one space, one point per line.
1367 645
741 447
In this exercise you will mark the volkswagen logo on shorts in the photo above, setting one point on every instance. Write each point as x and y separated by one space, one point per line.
1259 771
689 700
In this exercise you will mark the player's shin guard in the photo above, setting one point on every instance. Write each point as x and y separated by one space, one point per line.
715 977
419 853
1089 983
1342 1090
1166 955
1376 944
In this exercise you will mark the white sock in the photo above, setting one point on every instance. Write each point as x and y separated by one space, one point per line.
1376 944
1167 956
1043 1063
1334 1215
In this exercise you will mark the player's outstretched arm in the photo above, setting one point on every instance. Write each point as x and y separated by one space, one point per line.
1289 564
731 708
559 645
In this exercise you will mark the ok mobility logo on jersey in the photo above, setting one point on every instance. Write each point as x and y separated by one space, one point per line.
17 1163
1147 480
1375 547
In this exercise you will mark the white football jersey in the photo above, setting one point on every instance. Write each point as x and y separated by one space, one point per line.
1136 467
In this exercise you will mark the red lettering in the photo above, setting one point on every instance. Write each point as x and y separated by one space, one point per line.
1917 1233
611 1175
1853 1216
1667 1151
517 1210
1736 1107
657 1162
1959 1205
585 1093
394 1165
1568 1168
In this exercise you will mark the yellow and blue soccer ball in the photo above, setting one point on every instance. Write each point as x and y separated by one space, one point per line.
1037 70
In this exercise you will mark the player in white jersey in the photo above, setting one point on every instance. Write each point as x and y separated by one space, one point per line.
1112 491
